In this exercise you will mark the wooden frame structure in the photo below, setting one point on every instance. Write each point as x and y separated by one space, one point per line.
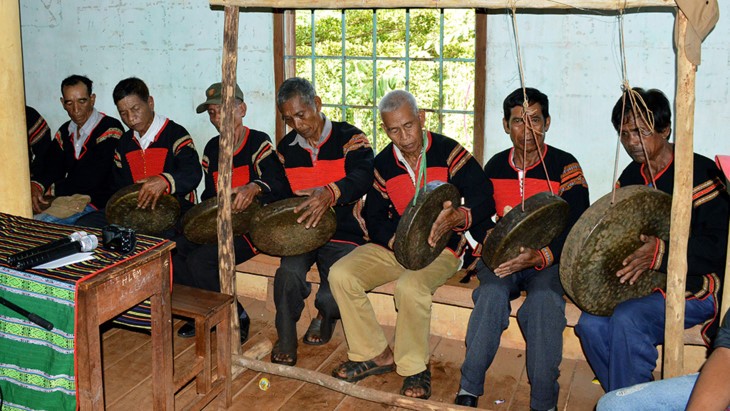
684 112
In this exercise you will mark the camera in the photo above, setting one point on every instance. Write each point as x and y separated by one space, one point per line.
117 238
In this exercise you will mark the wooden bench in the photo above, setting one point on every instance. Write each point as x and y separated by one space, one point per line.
452 305
209 310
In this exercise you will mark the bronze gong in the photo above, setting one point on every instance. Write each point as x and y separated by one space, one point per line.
275 231
603 237
121 209
411 246
200 223
544 217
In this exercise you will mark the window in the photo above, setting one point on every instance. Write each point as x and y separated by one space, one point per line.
354 57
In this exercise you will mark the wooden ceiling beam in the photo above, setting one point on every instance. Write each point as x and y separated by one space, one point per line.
477 4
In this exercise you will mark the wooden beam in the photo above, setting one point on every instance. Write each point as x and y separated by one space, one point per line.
484 4
681 208
280 24
480 85
226 256
13 131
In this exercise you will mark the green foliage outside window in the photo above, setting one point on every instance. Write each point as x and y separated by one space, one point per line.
359 55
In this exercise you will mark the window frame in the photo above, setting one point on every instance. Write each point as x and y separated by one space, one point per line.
284 29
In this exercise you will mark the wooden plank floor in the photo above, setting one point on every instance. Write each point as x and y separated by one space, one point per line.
127 371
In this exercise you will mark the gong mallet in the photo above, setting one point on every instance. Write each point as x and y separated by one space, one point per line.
29 315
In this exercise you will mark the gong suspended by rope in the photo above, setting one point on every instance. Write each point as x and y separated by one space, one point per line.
603 237
539 218
610 230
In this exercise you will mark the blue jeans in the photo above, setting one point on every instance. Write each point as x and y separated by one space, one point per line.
621 348
665 395
541 319
71 220
291 289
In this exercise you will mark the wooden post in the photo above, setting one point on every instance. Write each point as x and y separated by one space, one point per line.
13 132
226 257
681 208
480 86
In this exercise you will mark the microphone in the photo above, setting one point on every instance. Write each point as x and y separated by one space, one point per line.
29 315
84 244
75 236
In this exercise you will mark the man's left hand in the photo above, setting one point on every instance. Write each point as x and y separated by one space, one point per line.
314 207
639 261
447 219
528 257
152 189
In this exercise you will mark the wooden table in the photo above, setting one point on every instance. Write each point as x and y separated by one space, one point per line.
108 294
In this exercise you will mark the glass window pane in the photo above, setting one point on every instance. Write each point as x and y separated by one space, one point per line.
304 68
391 31
333 113
328 81
328 32
303 31
359 83
424 83
460 127
459 33
359 35
458 86
391 76
424 40
433 121
362 119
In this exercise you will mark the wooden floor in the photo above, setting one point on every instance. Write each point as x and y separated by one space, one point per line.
127 370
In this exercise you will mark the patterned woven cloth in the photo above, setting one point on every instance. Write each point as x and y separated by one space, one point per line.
36 365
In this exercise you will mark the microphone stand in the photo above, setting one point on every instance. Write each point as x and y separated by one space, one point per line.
32 317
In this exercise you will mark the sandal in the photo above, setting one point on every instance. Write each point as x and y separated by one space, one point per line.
421 380
279 356
319 328
357 370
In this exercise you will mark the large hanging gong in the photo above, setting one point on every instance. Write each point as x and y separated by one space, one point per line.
275 231
411 246
544 217
603 237
200 223
121 209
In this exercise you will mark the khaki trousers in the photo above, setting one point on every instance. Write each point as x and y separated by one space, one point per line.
370 266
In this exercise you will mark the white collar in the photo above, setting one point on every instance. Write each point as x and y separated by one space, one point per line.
303 143
157 123
79 137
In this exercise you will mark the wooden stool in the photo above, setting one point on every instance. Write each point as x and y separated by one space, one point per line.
209 310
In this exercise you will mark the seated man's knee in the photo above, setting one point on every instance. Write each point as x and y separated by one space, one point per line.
491 294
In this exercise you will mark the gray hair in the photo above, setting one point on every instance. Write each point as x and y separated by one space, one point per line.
395 99
296 87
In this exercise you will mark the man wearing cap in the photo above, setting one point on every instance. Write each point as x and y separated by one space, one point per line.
331 163
78 164
257 175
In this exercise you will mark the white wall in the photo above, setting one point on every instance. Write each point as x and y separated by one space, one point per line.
575 60
177 50
175 46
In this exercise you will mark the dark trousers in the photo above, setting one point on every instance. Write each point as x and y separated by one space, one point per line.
291 289
621 348
196 265
541 319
